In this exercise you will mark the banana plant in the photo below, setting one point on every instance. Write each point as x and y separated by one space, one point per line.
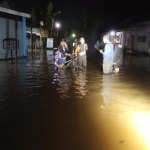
36 15
50 16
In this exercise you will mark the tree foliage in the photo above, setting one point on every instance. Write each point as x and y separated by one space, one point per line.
38 14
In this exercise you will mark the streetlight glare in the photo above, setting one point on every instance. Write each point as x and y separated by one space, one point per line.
57 25
73 35
41 23
112 33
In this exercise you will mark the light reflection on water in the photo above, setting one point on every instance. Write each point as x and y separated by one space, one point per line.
129 96
80 84
71 83
114 103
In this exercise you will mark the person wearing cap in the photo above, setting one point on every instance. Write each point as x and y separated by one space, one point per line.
81 51
63 49
108 55
117 54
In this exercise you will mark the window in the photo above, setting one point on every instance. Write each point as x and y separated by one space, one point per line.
141 38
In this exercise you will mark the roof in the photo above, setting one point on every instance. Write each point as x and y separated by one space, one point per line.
7 6
139 20
13 12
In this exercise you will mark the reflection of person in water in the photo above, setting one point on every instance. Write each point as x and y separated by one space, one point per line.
60 78
80 84
106 92
63 80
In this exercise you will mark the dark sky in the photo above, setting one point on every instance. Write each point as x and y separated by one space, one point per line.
72 9
120 9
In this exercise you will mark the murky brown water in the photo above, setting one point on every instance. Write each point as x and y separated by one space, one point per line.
42 109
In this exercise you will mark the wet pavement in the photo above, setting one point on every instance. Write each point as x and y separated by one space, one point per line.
42 109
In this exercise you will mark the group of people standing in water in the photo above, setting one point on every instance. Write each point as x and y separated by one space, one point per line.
112 53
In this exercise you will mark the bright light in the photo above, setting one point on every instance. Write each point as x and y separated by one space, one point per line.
142 121
112 33
73 35
57 25
41 23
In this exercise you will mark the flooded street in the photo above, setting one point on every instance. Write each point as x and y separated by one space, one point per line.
43 109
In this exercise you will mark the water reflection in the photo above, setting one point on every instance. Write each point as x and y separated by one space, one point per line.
35 101
63 83
106 91
142 122
81 84
70 83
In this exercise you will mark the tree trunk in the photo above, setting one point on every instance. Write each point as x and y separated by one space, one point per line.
52 26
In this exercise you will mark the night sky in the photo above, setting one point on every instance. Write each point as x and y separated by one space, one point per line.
73 8
118 10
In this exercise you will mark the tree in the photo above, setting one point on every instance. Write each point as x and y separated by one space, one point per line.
50 16
67 30
36 15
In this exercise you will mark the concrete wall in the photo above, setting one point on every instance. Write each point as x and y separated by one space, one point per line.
142 47
7 27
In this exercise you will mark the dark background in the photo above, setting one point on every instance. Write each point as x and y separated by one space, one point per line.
119 10
102 15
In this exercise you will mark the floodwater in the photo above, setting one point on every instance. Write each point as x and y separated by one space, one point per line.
42 109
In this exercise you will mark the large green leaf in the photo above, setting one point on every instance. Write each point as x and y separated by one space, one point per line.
56 13
50 7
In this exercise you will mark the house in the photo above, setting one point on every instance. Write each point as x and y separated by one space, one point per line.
134 34
13 28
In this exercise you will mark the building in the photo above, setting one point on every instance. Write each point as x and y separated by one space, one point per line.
134 34
13 27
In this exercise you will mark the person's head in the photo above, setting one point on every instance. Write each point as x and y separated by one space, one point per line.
82 40
116 39
62 42
106 39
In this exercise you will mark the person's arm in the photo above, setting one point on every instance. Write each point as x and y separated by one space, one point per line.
66 47
61 50
67 54
101 50
66 51
86 46
77 49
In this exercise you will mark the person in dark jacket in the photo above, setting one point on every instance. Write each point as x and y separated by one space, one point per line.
117 54
99 45
63 49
